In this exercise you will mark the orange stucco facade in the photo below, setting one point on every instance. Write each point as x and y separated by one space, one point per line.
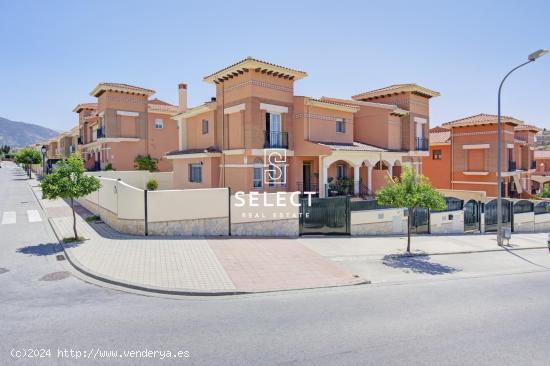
463 156
360 142
125 123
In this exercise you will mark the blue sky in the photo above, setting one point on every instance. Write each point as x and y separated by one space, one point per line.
54 52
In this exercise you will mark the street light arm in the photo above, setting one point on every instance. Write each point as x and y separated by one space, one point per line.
511 71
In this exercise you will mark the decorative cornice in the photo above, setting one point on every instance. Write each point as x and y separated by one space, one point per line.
262 84
320 117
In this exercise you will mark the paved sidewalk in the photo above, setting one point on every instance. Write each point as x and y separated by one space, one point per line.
423 244
192 265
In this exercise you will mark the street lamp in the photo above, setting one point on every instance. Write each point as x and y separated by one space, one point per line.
43 150
532 57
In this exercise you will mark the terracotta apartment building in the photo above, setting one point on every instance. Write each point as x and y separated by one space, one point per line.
463 155
332 146
125 123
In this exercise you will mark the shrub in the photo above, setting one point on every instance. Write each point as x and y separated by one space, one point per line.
152 185
109 167
145 162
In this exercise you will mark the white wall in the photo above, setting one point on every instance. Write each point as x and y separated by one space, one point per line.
187 204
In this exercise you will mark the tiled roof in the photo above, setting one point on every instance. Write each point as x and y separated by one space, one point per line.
395 109
438 129
157 105
159 102
542 154
440 137
120 87
355 146
253 63
82 106
482 119
526 127
395 89
210 149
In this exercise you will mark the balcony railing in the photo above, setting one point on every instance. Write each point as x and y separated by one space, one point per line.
275 140
422 144
307 187
511 166
347 187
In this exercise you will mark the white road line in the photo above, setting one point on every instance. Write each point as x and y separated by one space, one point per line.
8 217
33 216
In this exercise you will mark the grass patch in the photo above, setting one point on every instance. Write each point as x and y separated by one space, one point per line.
72 239
92 218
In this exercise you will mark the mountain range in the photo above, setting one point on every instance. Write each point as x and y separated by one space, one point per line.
18 134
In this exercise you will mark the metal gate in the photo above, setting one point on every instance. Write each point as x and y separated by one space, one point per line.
491 214
472 214
329 215
420 221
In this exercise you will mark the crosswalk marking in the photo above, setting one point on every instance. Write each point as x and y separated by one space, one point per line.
8 217
33 216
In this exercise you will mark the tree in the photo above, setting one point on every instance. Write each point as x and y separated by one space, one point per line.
69 181
145 162
545 191
5 149
410 191
27 157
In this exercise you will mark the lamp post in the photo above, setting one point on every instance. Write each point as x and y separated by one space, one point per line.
43 150
532 57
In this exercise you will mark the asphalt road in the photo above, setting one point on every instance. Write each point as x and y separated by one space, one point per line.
491 319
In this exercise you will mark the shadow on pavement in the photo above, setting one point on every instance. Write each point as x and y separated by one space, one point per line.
417 264
45 249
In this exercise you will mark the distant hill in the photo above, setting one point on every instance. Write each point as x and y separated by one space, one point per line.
18 134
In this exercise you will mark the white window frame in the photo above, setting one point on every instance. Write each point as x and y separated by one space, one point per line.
157 124
340 122
257 182
191 167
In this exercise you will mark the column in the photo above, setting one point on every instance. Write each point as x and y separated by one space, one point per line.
323 177
356 178
390 171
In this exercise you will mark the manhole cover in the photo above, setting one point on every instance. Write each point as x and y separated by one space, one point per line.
60 257
55 276
4 270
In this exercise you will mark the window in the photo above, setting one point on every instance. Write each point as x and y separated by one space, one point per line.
204 126
195 173
340 171
159 123
257 177
271 176
436 155
340 126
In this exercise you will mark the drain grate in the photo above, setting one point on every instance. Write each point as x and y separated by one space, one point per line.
3 270
55 276
60 257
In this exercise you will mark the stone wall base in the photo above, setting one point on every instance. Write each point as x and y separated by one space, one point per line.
527 227
198 227
285 228
379 228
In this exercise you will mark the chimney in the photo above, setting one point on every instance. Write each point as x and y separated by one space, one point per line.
182 88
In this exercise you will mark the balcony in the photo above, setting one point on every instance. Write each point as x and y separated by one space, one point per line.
511 166
422 144
275 140
307 187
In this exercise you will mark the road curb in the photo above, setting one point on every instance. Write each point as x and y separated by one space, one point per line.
162 291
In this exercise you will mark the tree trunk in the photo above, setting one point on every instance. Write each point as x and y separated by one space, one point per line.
409 222
74 220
